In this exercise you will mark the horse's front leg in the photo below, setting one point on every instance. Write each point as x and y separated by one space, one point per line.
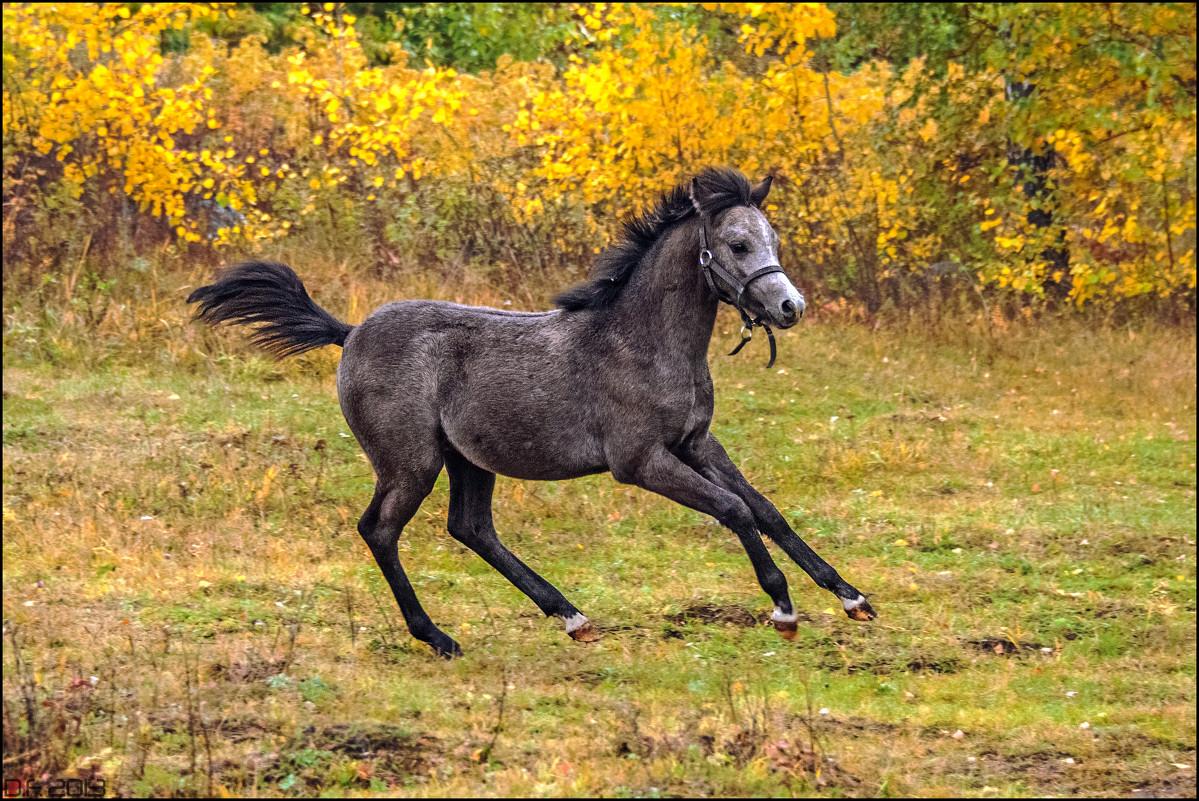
711 461
660 471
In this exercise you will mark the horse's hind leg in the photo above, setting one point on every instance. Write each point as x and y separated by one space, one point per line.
470 523
396 500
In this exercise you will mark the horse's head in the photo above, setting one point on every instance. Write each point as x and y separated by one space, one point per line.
743 260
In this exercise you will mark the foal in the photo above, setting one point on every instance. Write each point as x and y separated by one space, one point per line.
614 380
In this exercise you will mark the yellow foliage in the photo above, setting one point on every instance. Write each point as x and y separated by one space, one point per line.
874 173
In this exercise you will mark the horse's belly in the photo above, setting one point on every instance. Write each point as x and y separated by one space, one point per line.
528 459
534 439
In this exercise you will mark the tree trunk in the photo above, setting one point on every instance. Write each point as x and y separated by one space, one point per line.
1034 172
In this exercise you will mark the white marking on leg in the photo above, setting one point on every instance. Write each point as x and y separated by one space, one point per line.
861 599
574 622
778 616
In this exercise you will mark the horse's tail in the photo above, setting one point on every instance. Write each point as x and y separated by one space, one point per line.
271 294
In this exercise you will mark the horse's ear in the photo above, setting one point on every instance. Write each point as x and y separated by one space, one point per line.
758 193
696 195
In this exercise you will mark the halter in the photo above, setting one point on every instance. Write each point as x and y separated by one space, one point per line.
709 264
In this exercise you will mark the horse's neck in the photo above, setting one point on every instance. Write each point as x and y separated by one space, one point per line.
667 302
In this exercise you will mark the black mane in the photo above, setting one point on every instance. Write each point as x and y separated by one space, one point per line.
723 189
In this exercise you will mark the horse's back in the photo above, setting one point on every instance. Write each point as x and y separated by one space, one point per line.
426 334
504 388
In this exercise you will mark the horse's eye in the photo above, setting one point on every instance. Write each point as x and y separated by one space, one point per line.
740 248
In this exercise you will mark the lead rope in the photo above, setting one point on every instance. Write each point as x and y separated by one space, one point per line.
706 262
747 333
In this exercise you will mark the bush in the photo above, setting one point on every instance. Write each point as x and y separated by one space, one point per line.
1057 156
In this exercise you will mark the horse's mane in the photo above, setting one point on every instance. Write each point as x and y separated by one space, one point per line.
723 189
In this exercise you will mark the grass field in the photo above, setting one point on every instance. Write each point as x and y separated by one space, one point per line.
188 607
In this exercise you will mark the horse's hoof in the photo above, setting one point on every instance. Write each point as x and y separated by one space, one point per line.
584 633
862 612
787 629
446 649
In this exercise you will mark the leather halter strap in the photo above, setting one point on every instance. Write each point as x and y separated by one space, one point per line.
709 265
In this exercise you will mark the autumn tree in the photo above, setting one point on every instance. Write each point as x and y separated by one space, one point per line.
1026 146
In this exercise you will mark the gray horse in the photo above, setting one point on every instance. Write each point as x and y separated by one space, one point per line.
615 379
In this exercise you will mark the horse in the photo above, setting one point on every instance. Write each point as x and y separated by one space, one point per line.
614 379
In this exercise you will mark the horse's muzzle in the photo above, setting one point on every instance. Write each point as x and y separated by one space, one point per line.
788 313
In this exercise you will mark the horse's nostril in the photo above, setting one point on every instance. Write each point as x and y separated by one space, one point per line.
788 309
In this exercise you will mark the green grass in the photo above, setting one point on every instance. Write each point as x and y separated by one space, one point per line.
1023 510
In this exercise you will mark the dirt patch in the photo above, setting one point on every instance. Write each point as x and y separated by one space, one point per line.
248 670
1042 766
726 615
716 615
834 662
852 726
588 678
1115 766
1004 647
917 418
934 664
413 752
383 752
1164 788
708 614
1112 608
604 630
239 730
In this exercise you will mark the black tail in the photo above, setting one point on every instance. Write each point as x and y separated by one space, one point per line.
271 294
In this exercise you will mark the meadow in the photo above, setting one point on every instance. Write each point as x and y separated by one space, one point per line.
188 608
988 420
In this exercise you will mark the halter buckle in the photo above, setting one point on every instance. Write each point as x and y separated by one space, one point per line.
747 333
705 257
